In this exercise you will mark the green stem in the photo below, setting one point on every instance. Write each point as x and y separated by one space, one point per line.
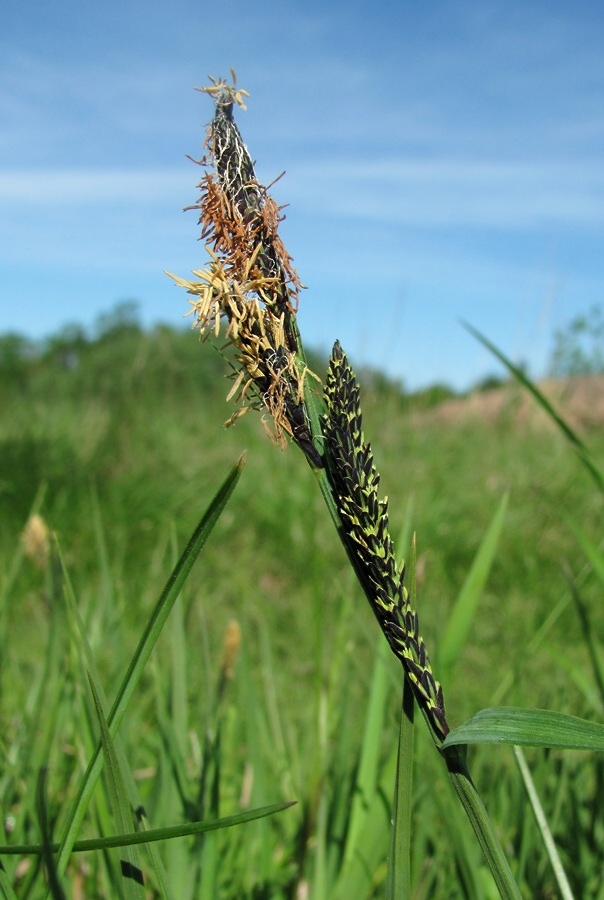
398 886
481 823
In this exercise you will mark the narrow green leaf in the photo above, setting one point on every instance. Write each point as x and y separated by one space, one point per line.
472 881
6 888
590 633
462 614
582 451
542 824
528 727
167 833
367 775
357 878
210 867
54 887
130 862
99 697
399 864
143 651
594 554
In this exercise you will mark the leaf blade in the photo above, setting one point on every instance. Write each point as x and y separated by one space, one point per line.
528 727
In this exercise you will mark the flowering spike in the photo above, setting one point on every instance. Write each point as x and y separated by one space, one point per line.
251 285
354 481
249 282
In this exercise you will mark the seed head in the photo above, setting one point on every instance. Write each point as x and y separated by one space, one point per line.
36 541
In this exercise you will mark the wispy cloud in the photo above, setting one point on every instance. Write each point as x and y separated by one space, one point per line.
56 113
468 193
77 187
416 192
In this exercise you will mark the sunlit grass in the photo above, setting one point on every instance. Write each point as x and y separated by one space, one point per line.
297 701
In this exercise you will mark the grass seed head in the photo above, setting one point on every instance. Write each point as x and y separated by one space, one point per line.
232 643
36 541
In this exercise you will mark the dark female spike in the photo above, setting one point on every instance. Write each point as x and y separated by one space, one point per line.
354 481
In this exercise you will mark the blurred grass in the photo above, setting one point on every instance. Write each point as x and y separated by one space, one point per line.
122 446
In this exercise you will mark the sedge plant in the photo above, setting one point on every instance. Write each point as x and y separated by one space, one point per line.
247 297
248 294
251 289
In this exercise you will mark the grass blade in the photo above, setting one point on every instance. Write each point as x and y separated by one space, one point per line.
528 727
55 889
6 889
116 750
357 878
143 651
463 611
167 833
130 864
582 451
589 633
399 863
548 840
367 776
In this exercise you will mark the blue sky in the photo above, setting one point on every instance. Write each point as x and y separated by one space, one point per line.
444 161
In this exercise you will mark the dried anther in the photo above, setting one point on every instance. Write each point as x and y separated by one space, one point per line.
223 93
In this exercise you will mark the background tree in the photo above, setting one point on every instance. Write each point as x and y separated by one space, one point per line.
579 347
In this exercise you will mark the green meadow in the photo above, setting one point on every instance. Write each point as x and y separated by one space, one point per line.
270 681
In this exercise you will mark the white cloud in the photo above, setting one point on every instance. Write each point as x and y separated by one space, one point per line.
453 193
75 187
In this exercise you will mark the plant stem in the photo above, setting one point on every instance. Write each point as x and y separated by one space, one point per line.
481 823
